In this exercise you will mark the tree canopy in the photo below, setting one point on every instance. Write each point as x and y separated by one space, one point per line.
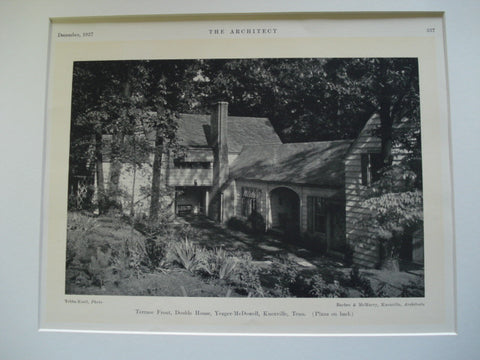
306 99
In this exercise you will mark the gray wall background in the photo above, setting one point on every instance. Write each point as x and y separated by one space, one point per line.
23 65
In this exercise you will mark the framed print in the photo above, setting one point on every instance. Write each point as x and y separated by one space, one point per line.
248 174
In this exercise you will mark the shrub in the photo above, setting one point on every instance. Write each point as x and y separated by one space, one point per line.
227 268
185 254
235 223
98 267
361 283
254 224
128 257
245 278
395 210
185 231
302 286
257 222
217 263
80 222
283 273
415 288
155 250
320 288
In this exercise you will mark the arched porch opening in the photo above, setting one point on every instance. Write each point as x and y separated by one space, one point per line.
284 210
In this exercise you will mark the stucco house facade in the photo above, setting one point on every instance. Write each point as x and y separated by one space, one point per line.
234 166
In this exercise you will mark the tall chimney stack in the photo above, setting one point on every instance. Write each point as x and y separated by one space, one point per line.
219 130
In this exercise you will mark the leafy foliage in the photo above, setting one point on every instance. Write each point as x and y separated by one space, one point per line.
415 288
238 224
306 100
320 288
186 255
396 209
246 277
360 282
257 222
217 263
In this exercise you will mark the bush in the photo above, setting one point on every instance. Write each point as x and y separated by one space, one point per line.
134 251
77 221
320 288
98 266
245 278
185 231
155 250
94 259
257 222
363 285
185 254
235 223
254 224
415 288
395 209
217 263
283 275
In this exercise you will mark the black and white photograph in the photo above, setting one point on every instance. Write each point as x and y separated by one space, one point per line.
251 177
241 180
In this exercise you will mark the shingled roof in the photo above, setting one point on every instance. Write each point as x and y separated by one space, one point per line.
249 131
312 163
194 130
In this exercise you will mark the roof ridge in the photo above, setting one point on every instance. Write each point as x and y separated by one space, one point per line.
302 143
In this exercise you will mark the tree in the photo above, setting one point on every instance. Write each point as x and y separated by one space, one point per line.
88 120
388 86
314 99
169 92
306 100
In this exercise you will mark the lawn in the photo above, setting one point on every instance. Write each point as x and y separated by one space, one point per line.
197 257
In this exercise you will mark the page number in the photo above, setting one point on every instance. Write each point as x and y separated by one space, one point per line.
430 30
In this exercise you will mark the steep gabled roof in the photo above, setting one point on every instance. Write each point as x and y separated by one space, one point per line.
249 131
313 163
194 130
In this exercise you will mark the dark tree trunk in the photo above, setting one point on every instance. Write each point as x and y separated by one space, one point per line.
156 178
386 136
99 170
386 117
118 146
115 168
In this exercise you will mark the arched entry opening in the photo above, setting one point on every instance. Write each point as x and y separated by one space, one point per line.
284 210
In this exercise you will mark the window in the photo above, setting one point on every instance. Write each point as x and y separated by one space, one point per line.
371 165
249 205
179 164
249 200
316 215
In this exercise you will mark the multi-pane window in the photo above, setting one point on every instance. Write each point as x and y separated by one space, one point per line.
250 200
316 214
178 164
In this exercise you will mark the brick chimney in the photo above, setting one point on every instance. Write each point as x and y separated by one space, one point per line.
219 130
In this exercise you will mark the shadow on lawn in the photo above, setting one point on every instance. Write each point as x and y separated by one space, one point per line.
262 247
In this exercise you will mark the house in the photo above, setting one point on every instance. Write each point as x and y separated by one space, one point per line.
235 166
